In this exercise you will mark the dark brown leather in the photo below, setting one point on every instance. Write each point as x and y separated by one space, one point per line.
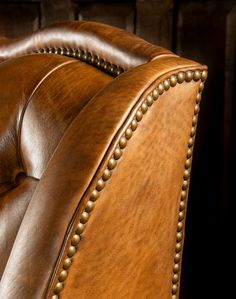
60 121
111 44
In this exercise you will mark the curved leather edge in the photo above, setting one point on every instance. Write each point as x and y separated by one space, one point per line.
106 42
92 136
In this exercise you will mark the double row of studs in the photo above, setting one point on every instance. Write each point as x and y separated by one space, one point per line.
185 184
112 163
86 57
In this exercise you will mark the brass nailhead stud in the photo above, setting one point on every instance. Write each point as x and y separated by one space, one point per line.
128 133
100 184
181 217
89 206
183 195
106 174
84 217
182 205
198 100
175 278
193 131
139 115
80 228
201 87
161 88
196 75
134 125
174 289
186 174
188 76
187 163
184 185
67 263
177 258
204 75
63 275
75 240
117 153
155 94
194 121
178 247
166 84
123 142
54 297
149 100
58 288
176 268
111 164
118 72
174 297
179 236
190 142
144 108
179 226
173 80
71 251
196 109
105 66
180 77
94 195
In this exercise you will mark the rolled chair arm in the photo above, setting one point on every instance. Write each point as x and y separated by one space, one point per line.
69 187
81 39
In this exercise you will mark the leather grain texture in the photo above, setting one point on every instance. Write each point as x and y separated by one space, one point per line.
60 121
127 247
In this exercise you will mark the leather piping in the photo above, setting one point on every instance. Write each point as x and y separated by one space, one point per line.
20 159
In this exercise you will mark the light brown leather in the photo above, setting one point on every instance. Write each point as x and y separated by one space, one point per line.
129 254
61 120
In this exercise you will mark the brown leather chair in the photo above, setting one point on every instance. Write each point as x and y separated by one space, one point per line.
97 129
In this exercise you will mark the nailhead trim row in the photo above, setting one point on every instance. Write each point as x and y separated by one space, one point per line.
196 76
112 163
86 57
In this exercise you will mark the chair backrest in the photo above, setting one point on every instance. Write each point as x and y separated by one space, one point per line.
97 128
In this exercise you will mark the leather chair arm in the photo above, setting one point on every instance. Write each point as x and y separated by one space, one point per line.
100 41
67 183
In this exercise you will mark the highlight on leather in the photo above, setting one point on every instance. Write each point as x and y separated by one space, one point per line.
94 170
117 46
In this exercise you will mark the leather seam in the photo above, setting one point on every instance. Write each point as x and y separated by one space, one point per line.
19 127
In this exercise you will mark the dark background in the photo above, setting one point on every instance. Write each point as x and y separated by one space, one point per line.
206 32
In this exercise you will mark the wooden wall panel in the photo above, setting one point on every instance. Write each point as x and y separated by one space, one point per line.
154 21
18 19
115 13
56 11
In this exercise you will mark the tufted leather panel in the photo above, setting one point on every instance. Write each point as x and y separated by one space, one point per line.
13 205
60 97
34 117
